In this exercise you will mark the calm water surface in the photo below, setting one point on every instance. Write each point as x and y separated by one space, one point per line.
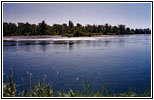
120 61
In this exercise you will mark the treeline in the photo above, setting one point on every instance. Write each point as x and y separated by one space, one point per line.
12 29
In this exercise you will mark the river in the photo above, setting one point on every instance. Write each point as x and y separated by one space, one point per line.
122 61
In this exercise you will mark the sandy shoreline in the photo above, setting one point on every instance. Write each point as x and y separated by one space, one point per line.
37 36
51 37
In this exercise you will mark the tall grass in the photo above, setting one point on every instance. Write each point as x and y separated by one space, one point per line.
41 89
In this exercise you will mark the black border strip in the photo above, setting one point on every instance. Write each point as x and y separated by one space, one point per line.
152 49
80 97
76 1
1 51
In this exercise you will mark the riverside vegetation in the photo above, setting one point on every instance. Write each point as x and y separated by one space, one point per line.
70 30
41 89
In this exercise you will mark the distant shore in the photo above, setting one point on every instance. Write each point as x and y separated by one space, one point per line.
34 36
52 36
57 37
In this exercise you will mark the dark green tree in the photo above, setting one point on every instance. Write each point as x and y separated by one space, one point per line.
70 23
42 28
70 30
5 29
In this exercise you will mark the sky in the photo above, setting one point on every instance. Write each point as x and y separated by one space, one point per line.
133 15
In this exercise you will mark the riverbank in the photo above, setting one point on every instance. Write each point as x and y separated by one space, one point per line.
41 89
51 37
35 36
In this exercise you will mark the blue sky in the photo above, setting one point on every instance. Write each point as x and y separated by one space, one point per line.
133 15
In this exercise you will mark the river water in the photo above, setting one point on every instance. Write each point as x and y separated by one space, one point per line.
122 61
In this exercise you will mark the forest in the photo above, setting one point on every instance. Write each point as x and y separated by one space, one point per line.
69 30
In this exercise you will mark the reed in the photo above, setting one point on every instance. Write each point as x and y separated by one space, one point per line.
41 89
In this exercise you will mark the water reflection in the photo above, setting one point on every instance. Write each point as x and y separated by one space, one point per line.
71 45
43 45
9 43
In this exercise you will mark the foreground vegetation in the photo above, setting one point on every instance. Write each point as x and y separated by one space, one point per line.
40 89
11 29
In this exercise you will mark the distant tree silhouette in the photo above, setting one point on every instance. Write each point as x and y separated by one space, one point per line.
70 23
42 28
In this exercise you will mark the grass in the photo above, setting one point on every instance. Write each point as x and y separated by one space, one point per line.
41 89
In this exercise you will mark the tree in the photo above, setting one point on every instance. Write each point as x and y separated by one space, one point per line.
34 29
121 29
64 25
42 28
12 28
21 28
78 25
68 30
70 23
106 28
77 31
100 28
127 31
5 29
58 29
94 29
27 28
114 29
